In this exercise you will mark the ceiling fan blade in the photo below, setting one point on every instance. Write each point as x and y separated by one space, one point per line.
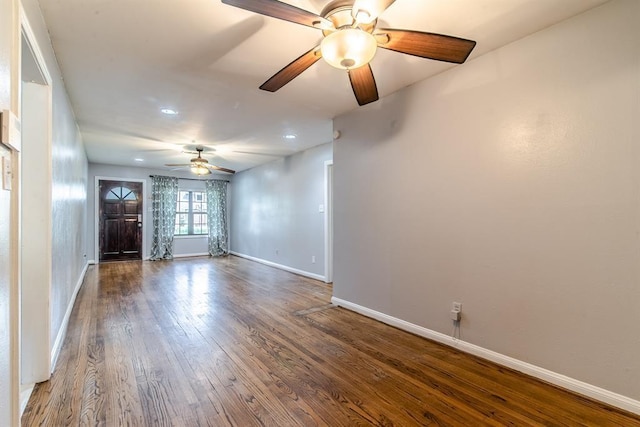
177 164
280 10
292 70
221 169
426 45
367 11
363 84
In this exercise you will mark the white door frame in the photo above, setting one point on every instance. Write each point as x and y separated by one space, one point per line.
328 221
34 304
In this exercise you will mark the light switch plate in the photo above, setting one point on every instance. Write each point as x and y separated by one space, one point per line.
6 173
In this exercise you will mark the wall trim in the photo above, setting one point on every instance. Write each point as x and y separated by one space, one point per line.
190 255
62 333
555 378
35 48
25 395
280 266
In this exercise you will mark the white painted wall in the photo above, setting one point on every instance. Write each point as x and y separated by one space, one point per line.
36 237
274 211
511 184
181 246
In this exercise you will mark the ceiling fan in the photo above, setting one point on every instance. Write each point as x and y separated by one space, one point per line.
350 40
201 166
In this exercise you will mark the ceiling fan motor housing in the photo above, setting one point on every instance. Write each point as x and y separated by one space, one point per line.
199 159
339 13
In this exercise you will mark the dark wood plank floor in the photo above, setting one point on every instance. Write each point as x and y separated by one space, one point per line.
217 342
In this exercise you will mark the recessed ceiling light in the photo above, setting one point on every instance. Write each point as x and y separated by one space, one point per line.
139 160
169 111
289 136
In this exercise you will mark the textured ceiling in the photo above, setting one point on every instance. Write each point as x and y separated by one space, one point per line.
123 61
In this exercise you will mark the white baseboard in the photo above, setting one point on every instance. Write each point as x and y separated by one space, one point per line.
92 262
280 266
62 332
560 380
25 394
190 255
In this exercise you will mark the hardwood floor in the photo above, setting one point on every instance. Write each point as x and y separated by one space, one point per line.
217 342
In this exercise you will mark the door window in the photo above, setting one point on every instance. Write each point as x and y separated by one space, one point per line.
121 193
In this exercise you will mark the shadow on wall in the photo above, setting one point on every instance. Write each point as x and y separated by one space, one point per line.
385 118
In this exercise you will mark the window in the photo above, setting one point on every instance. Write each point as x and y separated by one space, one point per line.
191 213
121 193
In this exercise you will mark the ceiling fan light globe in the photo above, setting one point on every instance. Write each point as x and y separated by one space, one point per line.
348 48
200 170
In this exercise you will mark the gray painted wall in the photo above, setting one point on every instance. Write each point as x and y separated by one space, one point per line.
275 211
68 187
514 189
182 246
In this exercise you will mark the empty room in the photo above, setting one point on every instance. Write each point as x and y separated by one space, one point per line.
319 212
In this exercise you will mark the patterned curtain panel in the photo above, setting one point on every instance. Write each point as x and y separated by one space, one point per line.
217 217
164 194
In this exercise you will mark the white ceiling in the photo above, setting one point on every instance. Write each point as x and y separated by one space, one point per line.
124 60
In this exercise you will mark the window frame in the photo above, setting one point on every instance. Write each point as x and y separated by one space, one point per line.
191 213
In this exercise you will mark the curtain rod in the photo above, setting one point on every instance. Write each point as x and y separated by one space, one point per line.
191 179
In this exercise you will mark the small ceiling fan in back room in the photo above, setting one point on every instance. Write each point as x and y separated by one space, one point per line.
199 165
350 40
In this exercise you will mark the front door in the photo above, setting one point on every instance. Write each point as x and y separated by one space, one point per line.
120 220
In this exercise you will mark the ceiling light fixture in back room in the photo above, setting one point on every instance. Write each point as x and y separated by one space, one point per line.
200 166
351 39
